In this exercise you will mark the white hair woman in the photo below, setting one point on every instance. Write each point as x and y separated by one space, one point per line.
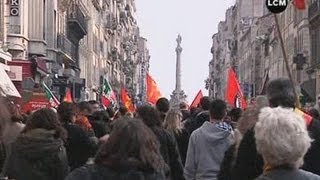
282 139
172 123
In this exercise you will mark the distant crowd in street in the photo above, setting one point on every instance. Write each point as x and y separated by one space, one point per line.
269 140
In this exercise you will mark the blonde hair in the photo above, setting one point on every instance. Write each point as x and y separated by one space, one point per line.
281 137
172 121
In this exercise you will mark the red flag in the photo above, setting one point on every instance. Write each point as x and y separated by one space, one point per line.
126 100
299 4
153 92
68 96
234 95
196 100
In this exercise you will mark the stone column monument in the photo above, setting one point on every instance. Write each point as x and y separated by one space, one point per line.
178 95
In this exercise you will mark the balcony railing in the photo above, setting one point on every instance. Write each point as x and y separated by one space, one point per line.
314 9
67 47
77 21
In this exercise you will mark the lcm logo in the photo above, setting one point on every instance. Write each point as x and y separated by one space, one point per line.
277 6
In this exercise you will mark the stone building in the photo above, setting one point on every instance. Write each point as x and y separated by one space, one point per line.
223 54
313 66
255 51
73 44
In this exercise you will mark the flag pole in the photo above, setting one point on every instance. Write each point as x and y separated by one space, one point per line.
286 60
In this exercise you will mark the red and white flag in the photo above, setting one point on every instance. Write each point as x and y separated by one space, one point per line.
234 95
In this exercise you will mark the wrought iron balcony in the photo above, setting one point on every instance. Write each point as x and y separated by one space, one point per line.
77 22
67 47
314 10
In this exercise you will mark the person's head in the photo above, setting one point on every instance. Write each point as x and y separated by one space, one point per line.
101 116
194 111
183 106
84 108
95 106
248 119
261 102
280 93
218 109
314 113
111 112
235 114
123 110
67 112
133 144
45 119
172 122
149 116
163 105
281 137
205 103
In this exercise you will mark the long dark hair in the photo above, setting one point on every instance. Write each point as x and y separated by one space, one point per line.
66 112
131 144
149 115
46 119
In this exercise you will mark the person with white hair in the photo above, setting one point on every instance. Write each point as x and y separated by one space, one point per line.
282 139
249 163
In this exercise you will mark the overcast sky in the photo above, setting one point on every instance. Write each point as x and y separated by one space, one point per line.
160 21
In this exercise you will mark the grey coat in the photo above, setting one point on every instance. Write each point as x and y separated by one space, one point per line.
288 174
207 146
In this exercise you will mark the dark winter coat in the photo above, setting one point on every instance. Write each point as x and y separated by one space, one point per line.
194 123
249 163
227 164
79 146
182 139
96 172
288 174
170 153
37 155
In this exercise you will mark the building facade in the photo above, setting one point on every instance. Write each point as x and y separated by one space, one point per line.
254 49
314 19
74 44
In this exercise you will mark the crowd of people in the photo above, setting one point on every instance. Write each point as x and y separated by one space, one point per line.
269 140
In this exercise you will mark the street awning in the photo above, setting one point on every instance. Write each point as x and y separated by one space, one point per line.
7 87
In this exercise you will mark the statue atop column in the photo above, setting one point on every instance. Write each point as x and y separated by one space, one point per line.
178 95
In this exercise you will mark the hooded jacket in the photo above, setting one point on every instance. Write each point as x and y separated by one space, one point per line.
207 146
37 155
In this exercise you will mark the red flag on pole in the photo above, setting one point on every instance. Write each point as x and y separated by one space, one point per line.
68 96
153 92
234 95
126 100
196 100
299 4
